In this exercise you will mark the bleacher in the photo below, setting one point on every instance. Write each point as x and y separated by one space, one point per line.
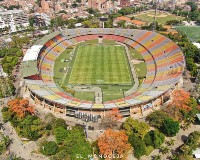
164 60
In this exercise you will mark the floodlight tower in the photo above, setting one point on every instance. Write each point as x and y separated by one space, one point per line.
155 13
103 20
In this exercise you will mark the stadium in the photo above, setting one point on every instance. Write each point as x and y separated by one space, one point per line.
86 72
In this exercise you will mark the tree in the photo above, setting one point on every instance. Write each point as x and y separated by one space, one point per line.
21 107
75 142
29 127
6 114
164 150
157 157
156 118
170 142
62 155
49 148
121 24
18 41
170 127
154 138
5 141
179 102
111 119
60 134
138 145
113 142
180 99
193 141
132 126
59 122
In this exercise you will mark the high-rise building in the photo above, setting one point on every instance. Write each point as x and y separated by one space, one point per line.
42 19
13 20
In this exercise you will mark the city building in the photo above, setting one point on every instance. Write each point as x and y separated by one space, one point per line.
128 21
42 19
13 20
124 3
102 5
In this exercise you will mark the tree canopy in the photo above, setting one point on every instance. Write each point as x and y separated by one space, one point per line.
113 142
170 127
132 126
21 107
111 119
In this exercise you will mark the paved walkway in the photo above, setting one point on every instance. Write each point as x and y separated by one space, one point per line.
17 147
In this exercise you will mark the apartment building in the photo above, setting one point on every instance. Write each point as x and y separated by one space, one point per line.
41 19
13 20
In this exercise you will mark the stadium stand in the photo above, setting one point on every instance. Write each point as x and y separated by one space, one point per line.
164 61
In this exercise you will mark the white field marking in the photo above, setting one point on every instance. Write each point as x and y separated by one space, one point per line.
74 63
127 63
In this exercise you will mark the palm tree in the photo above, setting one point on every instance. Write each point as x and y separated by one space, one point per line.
170 142
157 157
164 150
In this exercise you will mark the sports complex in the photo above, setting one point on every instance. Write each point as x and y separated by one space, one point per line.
86 72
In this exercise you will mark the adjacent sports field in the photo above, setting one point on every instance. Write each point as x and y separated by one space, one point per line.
100 64
192 32
161 17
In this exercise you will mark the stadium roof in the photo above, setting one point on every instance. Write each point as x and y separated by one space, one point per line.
32 53
29 68
43 40
197 45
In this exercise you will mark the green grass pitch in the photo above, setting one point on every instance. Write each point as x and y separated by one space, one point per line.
100 64
192 32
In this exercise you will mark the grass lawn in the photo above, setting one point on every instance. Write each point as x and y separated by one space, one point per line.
100 64
192 32
59 64
134 54
161 18
89 96
141 69
112 95
113 92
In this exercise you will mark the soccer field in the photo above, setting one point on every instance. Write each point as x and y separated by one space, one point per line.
192 32
100 64
161 18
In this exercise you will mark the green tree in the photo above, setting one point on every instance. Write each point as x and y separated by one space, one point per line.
49 148
60 134
154 138
170 127
156 118
121 24
138 145
132 126
61 155
76 143
6 114
164 150
59 122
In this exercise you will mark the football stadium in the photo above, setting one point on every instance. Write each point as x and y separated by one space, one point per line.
86 72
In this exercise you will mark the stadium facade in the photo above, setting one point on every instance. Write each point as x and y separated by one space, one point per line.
164 61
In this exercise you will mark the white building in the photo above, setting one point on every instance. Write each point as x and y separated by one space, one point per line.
42 19
14 20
